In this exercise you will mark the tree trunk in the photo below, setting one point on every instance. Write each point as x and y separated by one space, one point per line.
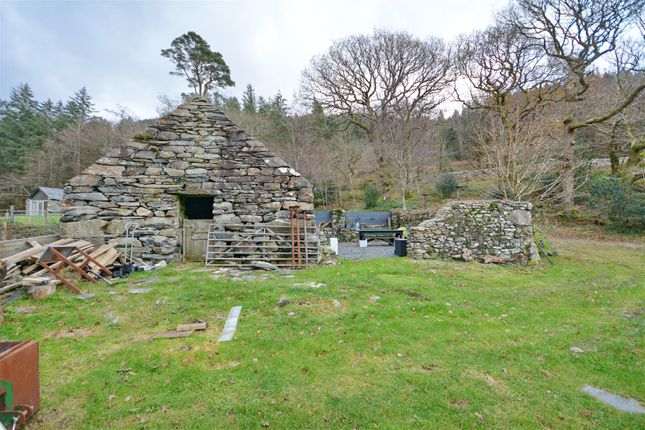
614 150
568 170
614 160
350 179
568 162
636 149
403 181
384 176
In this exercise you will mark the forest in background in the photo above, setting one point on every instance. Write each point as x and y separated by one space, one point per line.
368 129
47 143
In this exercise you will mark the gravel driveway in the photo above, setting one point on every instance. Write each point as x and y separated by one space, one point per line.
352 251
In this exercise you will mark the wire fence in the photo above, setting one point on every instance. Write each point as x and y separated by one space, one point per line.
18 224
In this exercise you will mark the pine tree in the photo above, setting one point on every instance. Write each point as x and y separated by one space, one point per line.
23 128
79 108
320 124
202 67
279 104
276 110
249 103
263 106
232 104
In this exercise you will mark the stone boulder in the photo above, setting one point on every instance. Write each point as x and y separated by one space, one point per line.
89 229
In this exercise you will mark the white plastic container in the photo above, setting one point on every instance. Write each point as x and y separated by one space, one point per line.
333 244
362 243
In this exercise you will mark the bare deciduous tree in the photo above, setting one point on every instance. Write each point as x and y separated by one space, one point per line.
58 159
522 159
579 35
370 81
406 143
510 79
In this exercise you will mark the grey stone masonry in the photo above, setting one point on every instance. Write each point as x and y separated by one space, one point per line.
194 150
471 230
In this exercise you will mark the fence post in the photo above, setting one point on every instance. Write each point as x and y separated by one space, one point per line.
11 208
45 209
5 230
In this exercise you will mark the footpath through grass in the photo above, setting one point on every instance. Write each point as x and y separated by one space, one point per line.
448 345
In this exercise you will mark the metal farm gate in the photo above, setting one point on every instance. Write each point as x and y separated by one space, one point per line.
292 245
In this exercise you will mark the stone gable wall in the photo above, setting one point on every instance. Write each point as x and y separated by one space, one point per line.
194 150
475 229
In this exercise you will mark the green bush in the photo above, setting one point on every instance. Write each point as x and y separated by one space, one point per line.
621 205
371 196
494 193
447 185
545 246
144 135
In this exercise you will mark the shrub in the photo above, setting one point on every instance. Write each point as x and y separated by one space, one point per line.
545 246
144 135
621 204
371 196
447 185
494 193
325 193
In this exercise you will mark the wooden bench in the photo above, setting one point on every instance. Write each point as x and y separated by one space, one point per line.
380 233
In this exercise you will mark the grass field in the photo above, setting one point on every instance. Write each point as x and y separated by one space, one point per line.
25 226
32 219
448 345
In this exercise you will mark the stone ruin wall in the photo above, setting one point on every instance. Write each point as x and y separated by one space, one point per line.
411 218
194 150
475 229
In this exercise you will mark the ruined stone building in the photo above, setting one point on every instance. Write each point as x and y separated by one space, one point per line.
476 230
192 168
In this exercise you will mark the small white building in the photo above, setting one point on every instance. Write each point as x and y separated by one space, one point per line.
42 198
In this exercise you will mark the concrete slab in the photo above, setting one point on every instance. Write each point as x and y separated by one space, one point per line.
611 399
231 324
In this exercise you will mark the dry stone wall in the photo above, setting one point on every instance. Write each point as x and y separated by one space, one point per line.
476 229
193 151
409 219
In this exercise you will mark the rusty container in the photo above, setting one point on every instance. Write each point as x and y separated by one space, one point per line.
19 366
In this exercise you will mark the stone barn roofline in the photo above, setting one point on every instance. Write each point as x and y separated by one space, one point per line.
195 150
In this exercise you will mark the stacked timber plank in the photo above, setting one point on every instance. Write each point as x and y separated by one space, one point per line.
21 269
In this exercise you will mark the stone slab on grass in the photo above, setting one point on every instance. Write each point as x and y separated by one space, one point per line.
139 290
615 400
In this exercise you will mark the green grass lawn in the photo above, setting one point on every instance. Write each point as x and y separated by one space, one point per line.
34 219
448 345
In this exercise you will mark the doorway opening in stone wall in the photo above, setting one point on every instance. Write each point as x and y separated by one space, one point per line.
196 213
196 207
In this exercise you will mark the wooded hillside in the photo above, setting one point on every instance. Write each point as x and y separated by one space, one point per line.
548 87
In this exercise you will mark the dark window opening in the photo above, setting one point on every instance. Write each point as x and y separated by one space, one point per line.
197 207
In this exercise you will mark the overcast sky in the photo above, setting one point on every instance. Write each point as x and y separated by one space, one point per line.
112 48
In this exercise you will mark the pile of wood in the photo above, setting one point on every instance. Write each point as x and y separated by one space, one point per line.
21 269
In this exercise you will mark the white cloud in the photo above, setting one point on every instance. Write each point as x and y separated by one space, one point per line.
113 48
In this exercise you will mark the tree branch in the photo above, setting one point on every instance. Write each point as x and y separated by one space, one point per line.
615 111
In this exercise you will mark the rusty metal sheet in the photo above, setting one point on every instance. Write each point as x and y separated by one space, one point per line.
19 365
